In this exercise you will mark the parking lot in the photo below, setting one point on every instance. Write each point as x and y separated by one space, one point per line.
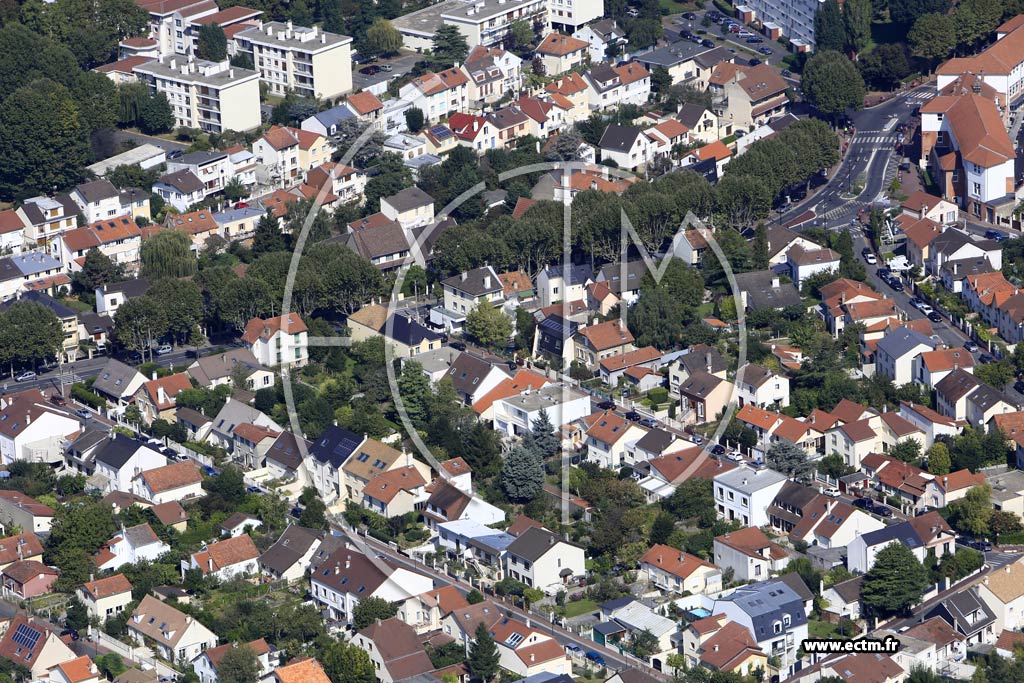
377 69
693 23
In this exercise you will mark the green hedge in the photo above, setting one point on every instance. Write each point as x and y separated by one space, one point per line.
83 395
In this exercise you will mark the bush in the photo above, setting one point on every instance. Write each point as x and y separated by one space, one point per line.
83 395
658 395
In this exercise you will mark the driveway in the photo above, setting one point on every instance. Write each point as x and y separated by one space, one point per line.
400 65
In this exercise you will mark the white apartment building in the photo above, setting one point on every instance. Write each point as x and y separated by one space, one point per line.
312 62
794 18
568 16
483 22
213 96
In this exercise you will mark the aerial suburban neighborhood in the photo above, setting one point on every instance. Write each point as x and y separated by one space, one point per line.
511 341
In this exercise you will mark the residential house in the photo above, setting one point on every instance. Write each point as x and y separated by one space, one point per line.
227 559
216 369
750 97
931 367
560 53
118 459
33 429
896 352
172 634
526 651
541 559
345 577
515 415
175 482
394 649
206 664
291 555
278 341
595 343
743 494
118 383
716 644
761 387
803 263
749 553
181 189
844 599
968 614
600 36
329 452
395 492
105 598
833 524
703 397
609 438
672 570
773 614
371 459
473 377
78 670
26 579
439 94
288 153
412 207
129 546
627 146
158 398
701 123
328 122
464 292
1003 592
33 644
863 550
492 72
117 238
23 512
23 546
764 290
234 414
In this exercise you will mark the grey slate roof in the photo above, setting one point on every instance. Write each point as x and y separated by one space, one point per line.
44 299
286 451
467 372
184 181
902 533
410 332
713 57
671 55
655 441
477 282
797 585
409 198
690 113
766 602
218 365
612 274
97 190
902 341
118 450
957 384
699 384
761 294
619 138
114 378
578 274
849 590
289 548
984 397
533 543
130 288
335 446
699 357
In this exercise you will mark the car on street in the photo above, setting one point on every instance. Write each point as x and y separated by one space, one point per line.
371 70
648 422
718 449
606 405
935 317
735 456
1018 386
895 284
883 511
865 504
58 400
915 301
995 235
707 43
164 349
596 658
986 358
754 40
766 51
831 491
84 413
971 346
869 256
924 308
26 376
633 416
690 16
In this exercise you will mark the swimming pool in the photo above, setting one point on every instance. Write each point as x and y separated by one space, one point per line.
700 612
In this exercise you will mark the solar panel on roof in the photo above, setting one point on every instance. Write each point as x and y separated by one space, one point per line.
441 132
26 636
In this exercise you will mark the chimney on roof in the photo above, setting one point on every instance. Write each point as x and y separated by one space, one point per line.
775 282
487 281
188 619
348 562
463 276
209 563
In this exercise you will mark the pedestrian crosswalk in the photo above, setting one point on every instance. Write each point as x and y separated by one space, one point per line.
874 138
920 95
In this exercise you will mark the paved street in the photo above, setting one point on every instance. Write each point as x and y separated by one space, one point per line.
141 139
400 66
676 23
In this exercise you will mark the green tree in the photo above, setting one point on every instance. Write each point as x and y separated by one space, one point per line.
829 31
212 44
972 513
907 450
414 388
77 616
906 12
346 663
661 80
382 38
42 141
449 45
885 66
832 83
759 250
414 119
474 597
786 457
919 674
938 459
488 325
522 475
390 176
894 583
1002 522
932 37
662 528
229 485
370 610
314 515
644 644
111 665
996 375
239 665
268 236
29 333
693 498
542 435
235 191
181 303
834 465
167 253
156 115
483 655
857 24
521 33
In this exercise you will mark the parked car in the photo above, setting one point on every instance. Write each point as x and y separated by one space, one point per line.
971 346
915 301
869 256
883 511
753 40
633 416
606 405
735 456
26 376
766 51
986 358
648 422
253 489
371 70
995 235
690 16
596 658
295 512
883 272
209 471
925 308
707 43
831 491
895 284
164 349
1018 386
70 632
58 400
175 154
935 317
84 413
865 504
718 449
754 62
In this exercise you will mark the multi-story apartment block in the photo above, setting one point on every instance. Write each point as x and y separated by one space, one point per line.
483 22
792 18
568 16
312 62
169 21
213 96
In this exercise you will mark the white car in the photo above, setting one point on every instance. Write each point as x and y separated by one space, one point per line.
25 377
163 350
831 491
926 309
734 456
870 259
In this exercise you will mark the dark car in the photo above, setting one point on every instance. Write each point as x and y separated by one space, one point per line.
935 317
766 51
606 405
971 346
633 416
754 62
864 504
755 39
718 449
895 283
1018 386
707 43
986 358
786 73
596 658
73 633
883 273
995 235
458 346
370 70
253 489
295 512
690 16
686 35
209 471
883 511
915 301
175 154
